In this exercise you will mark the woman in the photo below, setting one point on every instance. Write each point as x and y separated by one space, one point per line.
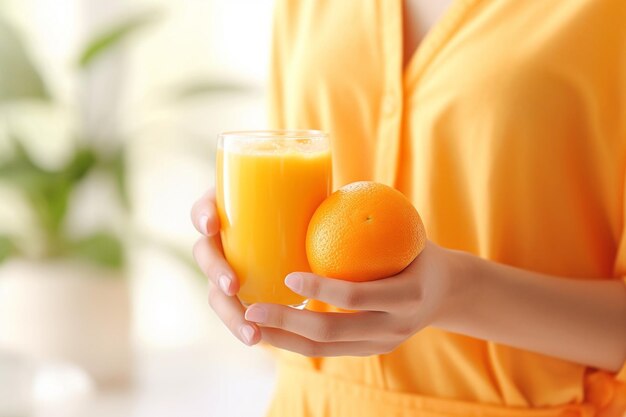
504 122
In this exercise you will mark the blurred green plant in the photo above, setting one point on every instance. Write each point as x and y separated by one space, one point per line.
48 191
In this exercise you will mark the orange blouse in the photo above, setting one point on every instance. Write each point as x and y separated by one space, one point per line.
507 130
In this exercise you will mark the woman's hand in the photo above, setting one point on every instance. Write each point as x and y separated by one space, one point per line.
223 284
388 311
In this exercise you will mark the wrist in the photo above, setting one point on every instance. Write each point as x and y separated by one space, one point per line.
462 288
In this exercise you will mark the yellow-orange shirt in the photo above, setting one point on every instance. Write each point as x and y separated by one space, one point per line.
507 130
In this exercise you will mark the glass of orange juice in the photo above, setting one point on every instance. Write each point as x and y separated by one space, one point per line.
269 184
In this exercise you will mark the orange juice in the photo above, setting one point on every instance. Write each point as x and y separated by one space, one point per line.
268 187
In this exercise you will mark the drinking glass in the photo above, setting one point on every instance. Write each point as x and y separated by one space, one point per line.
269 184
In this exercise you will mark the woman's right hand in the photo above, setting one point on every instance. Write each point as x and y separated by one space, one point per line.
223 284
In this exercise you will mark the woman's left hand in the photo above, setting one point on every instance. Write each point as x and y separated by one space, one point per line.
384 313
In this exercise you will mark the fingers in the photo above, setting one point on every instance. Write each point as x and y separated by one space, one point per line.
231 312
321 327
209 257
295 343
204 214
223 284
386 294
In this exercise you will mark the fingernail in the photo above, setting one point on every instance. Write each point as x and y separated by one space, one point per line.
294 282
224 283
256 314
204 220
247 332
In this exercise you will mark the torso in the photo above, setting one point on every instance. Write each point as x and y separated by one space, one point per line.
503 122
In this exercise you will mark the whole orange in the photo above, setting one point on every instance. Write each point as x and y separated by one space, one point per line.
364 231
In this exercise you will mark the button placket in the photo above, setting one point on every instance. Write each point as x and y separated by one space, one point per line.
391 94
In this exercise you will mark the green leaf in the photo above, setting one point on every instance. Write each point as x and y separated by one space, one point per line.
47 191
83 160
115 35
101 248
116 166
46 196
19 78
201 88
7 248
51 200
52 190
20 170
19 165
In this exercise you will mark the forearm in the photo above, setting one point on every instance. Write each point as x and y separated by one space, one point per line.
583 321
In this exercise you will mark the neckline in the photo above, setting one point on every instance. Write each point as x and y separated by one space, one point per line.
434 39
407 17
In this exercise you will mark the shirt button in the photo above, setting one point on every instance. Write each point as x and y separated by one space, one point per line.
390 104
